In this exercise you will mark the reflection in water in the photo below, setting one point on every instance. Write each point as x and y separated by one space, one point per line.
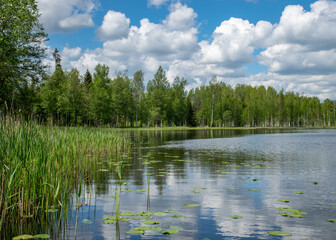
222 166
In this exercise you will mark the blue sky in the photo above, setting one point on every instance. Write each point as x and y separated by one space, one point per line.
288 44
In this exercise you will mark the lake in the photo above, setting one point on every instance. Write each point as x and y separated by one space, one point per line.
225 173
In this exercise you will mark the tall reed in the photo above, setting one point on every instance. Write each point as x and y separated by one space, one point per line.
41 166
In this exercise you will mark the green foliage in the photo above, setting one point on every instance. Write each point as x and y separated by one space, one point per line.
21 48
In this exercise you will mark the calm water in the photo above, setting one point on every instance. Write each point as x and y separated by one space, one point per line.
277 163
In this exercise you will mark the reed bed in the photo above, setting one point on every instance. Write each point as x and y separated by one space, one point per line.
42 166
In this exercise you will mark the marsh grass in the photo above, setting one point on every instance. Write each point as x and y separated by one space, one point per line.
41 166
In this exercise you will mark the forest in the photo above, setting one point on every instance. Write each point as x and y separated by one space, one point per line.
66 98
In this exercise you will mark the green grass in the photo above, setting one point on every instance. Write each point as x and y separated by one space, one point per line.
41 167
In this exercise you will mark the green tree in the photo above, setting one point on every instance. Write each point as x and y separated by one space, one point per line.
138 89
21 47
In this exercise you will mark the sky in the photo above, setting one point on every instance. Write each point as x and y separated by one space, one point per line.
286 44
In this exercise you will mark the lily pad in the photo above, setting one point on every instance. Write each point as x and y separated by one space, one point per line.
232 188
236 217
314 183
254 190
254 180
284 200
127 214
334 205
41 236
112 196
292 214
194 191
170 232
144 213
332 220
125 219
298 192
150 222
128 190
110 221
280 233
192 205
86 221
177 216
229 173
142 228
154 230
135 232
22 237
200 188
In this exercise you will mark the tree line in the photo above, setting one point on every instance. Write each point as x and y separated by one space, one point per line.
66 98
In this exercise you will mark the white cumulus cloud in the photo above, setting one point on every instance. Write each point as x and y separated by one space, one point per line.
181 17
66 15
115 26
156 3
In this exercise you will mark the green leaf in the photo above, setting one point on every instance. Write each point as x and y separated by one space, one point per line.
170 232
192 205
279 233
41 236
86 221
142 228
127 214
284 200
135 232
22 237
236 217
332 220
177 216
194 191
160 214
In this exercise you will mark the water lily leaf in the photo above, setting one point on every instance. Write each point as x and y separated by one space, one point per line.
128 190
135 232
154 230
22 237
334 205
160 214
279 233
142 228
254 180
125 219
86 221
194 191
332 220
150 222
177 216
192 205
232 188
236 217
178 228
314 183
200 188
229 173
292 214
141 190
41 236
144 213
143 218
298 192
254 190
112 196
127 214
110 221
284 200
170 232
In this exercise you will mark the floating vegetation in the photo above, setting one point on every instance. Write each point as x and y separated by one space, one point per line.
332 220
280 233
171 211
141 190
150 222
87 221
200 188
194 191
236 217
229 173
135 232
314 183
254 180
334 205
144 213
254 190
142 228
112 196
192 205
170 232
41 236
292 214
283 200
177 216
128 190
22 237
232 188
298 192
154 230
